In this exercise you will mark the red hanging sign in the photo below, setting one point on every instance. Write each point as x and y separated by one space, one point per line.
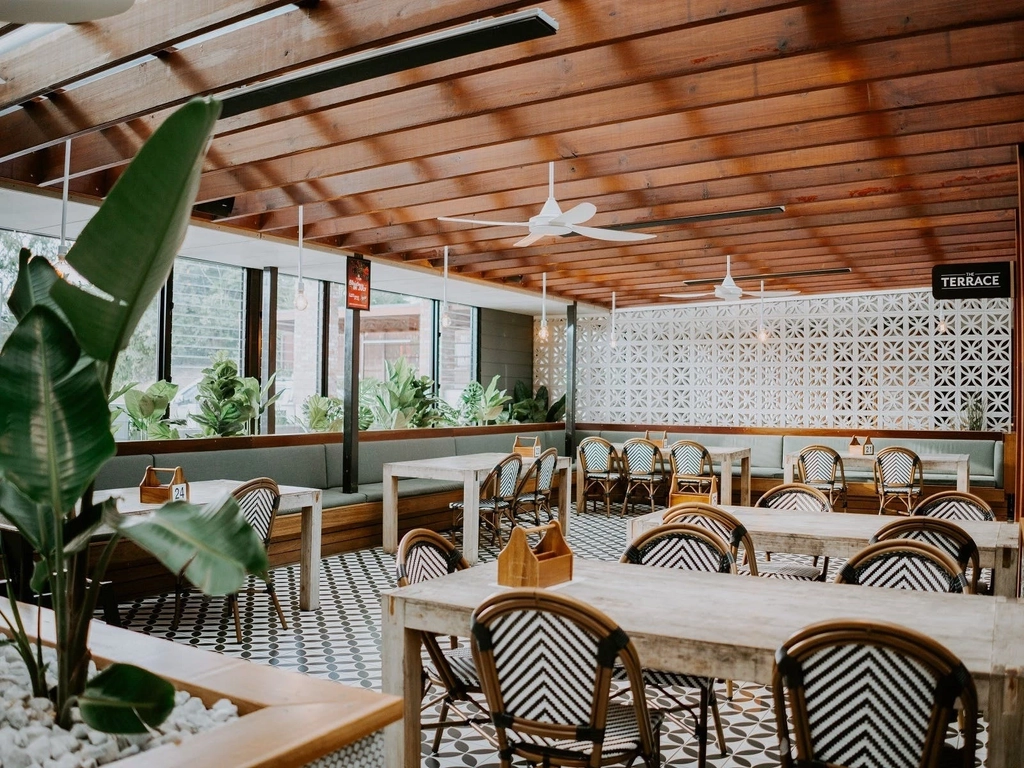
357 294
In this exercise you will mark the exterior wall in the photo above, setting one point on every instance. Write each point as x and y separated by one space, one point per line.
872 360
506 348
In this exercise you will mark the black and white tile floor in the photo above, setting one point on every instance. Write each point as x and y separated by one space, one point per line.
341 641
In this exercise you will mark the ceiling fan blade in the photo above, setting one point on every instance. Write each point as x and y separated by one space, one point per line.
485 222
530 239
686 295
60 11
773 209
771 294
576 215
608 234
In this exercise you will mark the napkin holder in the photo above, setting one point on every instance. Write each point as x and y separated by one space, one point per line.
152 491
527 447
549 563
658 437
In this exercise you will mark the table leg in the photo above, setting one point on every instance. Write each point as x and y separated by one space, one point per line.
787 471
1006 572
400 676
579 488
963 476
745 481
725 482
471 519
309 555
563 499
390 511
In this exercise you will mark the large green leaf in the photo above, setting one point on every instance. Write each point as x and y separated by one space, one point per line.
214 544
35 522
57 435
126 699
35 278
127 249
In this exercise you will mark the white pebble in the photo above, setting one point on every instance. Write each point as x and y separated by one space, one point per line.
97 737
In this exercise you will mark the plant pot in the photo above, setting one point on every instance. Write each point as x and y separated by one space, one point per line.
287 719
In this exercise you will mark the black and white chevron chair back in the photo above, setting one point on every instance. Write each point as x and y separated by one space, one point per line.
259 500
423 555
796 497
640 457
711 518
897 468
682 546
904 564
690 458
863 695
942 534
596 454
546 471
546 666
955 505
818 464
506 476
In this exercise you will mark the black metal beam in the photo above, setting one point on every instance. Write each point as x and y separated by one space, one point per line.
350 446
570 378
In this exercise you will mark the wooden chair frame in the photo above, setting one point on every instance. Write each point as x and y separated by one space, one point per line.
902 492
833 484
496 501
702 483
910 548
454 690
823 504
953 684
604 479
616 647
947 536
949 505
535 487
649 479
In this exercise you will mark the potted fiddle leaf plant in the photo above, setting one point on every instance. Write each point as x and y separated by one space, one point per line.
55 378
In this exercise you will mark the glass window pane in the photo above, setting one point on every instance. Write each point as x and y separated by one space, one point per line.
336 342
396 326
11 244
298 350
208 318
456 350
138 361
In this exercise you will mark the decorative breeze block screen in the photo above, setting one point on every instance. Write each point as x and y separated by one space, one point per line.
873 360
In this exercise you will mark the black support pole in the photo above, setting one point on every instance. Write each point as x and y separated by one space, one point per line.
350 449
268 347
570 379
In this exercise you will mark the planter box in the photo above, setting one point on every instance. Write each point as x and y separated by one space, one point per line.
287 719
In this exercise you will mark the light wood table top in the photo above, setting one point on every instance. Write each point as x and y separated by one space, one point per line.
958 463
723 626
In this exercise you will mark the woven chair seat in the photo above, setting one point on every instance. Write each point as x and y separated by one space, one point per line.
792 571
484 504
621 735
461 662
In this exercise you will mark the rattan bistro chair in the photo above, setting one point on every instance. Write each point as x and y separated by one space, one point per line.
258 500
535 486
723 524
690 548
693 474
642 469
545 663
898 692
947 536
904 564
800 498
423 555
598 461
899 479
955 505
497 495
822 468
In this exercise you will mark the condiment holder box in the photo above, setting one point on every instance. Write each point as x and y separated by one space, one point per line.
529 447
152 491
549 563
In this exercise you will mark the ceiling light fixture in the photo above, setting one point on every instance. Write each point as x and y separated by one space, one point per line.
60 11
477 36
446 318
542 332
613 342
943 327
62 248
301 302
762 332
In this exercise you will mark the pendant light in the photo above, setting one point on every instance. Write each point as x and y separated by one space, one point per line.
943 327
62 249
301 302
613 341
542 332
446 318
762 332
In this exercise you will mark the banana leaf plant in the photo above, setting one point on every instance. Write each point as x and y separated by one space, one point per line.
55 380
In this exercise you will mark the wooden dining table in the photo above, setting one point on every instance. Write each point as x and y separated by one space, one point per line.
469 469
843 535
720 626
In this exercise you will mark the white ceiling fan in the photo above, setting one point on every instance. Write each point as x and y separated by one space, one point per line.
727 290
552 221
60 11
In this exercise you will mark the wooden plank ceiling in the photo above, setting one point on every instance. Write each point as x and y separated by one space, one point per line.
887 129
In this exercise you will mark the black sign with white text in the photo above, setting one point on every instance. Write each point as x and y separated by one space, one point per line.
991 280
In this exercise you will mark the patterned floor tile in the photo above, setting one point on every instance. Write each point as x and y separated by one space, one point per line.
341 641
